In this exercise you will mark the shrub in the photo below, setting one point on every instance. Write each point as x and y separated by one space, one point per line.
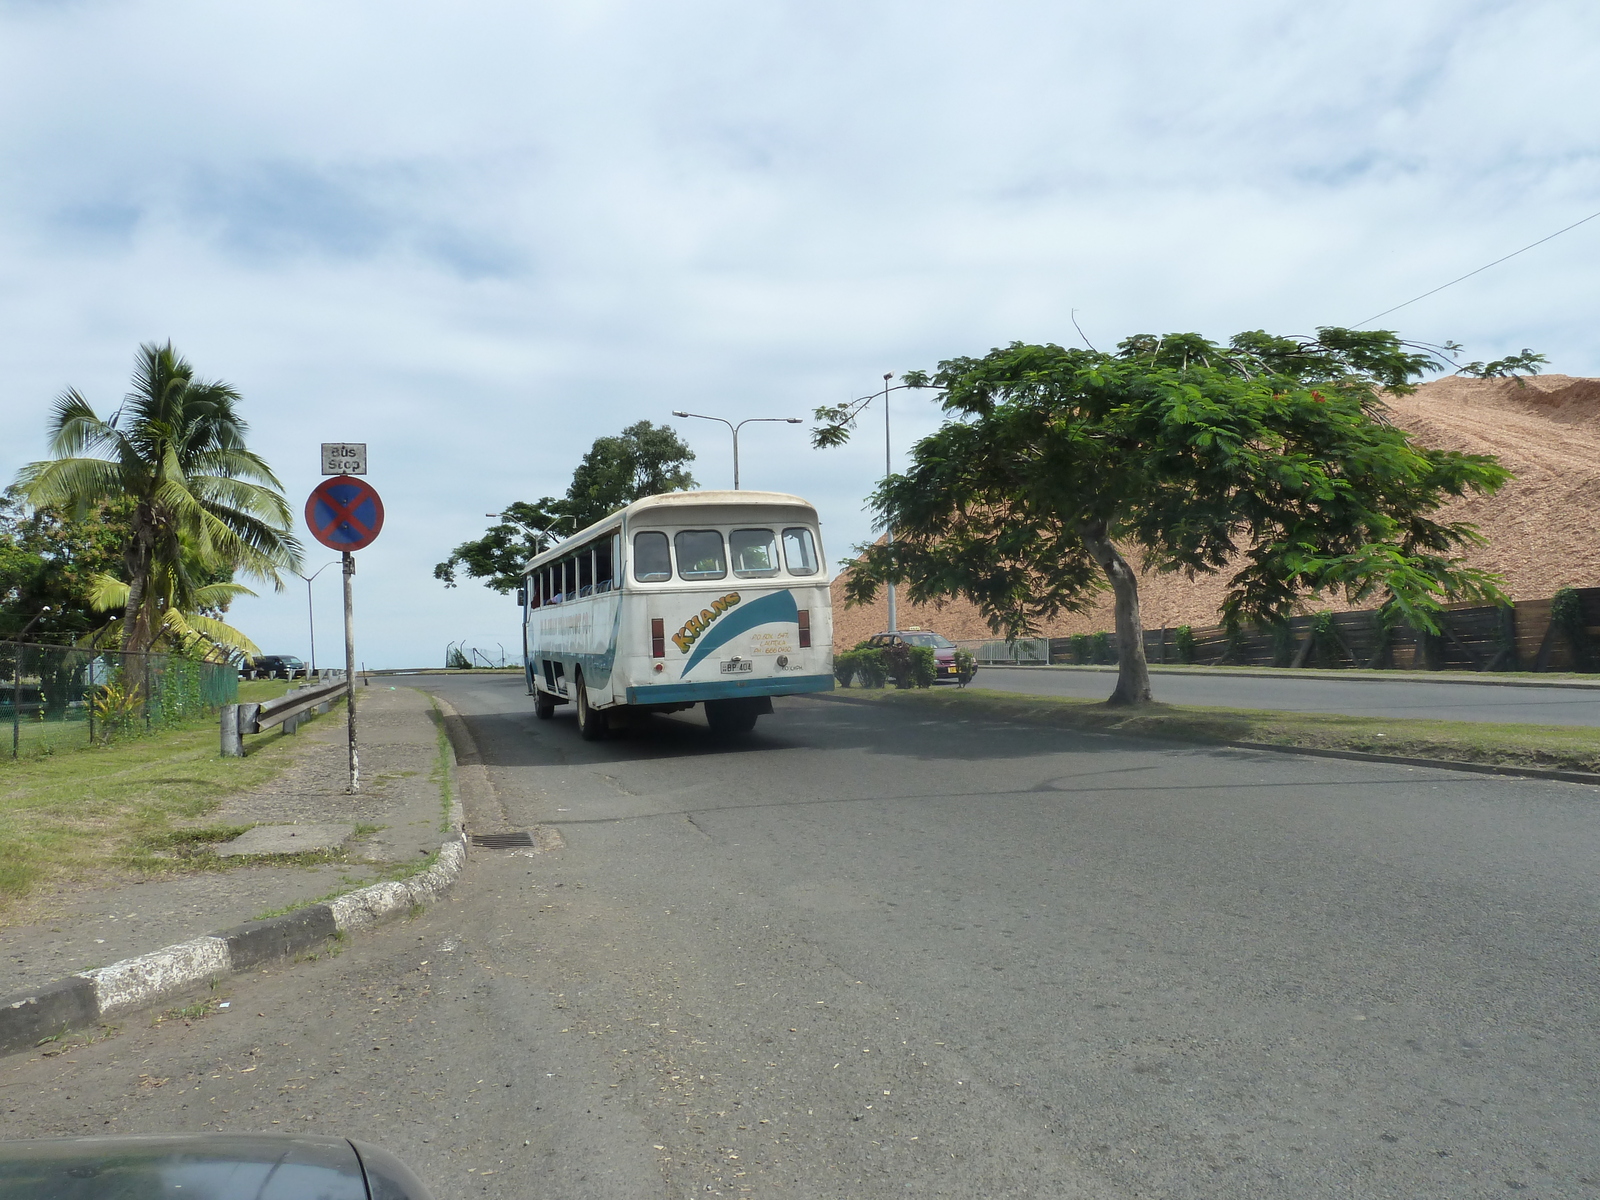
1327 647
1080 648
871 670
845 666
966 667
1100 649
924 666
1566 613
900 662
1183 640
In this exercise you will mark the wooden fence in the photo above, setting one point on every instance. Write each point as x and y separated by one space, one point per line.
1524 636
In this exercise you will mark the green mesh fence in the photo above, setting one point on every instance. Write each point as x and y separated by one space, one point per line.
58 697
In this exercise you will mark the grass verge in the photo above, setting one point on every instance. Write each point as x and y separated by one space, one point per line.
113 809
1560 747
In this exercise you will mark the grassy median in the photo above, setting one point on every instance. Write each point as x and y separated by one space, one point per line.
113 809
1568 748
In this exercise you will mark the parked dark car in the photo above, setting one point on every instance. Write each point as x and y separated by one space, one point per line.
274 666
944 650
203 1166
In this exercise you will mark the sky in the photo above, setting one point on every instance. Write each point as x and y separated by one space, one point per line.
478 236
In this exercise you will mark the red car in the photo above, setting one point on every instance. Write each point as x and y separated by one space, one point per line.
944 650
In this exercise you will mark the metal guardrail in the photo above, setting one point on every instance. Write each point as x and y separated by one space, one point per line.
287 710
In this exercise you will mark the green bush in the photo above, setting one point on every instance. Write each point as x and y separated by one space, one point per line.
1080 648
871 670
966 667
1183 640
1566 613
845 665
1100 649
900 660
924 666
1283 644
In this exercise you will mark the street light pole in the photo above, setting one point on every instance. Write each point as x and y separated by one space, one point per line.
311 615
735 429
888 470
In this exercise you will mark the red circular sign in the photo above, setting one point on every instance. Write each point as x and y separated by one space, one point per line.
344 513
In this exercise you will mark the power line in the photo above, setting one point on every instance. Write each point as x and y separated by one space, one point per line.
1481 269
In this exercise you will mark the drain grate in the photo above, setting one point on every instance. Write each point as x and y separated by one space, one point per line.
503 841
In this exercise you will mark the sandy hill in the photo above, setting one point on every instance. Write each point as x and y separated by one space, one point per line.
1543 527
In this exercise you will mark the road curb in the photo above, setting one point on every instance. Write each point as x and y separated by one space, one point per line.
1443 764
90 998
1481 679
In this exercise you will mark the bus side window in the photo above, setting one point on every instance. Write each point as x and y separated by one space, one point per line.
585 562
602 566
569 578
799 551
651 561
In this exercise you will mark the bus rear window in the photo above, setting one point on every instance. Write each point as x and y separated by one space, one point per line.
700 554
799 551
651 562
754 553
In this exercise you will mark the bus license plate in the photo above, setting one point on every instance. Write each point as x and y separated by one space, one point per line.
738 666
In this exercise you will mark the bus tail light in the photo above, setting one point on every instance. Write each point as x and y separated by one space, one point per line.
658 638
805 628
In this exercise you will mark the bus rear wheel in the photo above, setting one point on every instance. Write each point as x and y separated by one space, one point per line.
592 725
544 705
732 716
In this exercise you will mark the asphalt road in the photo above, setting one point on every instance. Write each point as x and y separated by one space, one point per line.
1377 698
864 955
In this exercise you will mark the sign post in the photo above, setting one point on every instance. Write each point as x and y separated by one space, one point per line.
346 514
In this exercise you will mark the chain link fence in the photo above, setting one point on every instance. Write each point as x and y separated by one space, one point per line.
57 697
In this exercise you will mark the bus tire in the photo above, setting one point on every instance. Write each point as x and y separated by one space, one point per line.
592 725
731 716
544 705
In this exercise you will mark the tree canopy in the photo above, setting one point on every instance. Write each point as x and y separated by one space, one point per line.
49 559
643 460
200 504
1269 458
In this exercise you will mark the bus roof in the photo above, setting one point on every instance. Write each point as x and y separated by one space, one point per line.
665 504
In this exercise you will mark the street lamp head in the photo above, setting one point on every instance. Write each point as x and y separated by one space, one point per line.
888 375
794 420
679 413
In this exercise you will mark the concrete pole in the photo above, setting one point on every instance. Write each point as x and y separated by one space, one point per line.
232 743
350 671
888 469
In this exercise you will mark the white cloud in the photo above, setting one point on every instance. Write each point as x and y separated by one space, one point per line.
479 237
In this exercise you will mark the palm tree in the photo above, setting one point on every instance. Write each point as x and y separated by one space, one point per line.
201 501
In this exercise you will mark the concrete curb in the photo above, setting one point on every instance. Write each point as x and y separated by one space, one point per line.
1484 679
91 997
1443 764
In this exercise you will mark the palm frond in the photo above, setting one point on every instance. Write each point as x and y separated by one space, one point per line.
77 483
107 593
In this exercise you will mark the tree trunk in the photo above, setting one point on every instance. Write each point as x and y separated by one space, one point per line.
1133 672
136 632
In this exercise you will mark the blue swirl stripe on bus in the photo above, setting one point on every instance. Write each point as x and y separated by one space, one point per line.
773 608
597 668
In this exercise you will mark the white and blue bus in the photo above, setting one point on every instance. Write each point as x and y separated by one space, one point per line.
714 598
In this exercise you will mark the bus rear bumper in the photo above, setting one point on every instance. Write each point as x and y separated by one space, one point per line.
728 689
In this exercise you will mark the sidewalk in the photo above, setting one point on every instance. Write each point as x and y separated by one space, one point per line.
401 795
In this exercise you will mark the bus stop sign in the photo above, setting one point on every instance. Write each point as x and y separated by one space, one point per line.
344 513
